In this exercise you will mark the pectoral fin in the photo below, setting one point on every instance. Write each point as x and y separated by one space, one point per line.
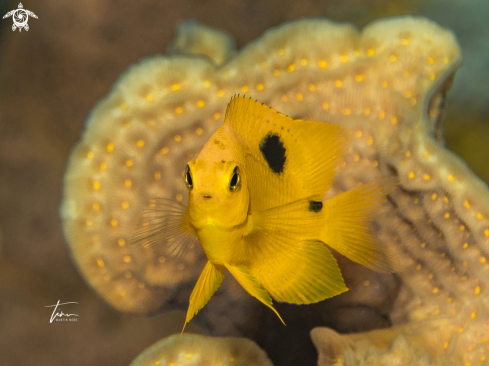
209 281
251 285
164 227
347 221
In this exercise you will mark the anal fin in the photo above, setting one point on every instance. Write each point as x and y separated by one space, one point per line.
307 274
252 285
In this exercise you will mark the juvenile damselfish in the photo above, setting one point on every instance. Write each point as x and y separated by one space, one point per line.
256 204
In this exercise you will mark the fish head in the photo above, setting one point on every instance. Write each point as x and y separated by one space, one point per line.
218 193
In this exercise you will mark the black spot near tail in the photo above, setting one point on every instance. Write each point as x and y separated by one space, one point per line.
273 151
315 206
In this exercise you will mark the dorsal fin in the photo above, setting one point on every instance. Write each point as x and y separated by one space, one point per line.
301 157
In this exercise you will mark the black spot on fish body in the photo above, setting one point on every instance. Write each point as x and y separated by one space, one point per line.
273 150
315 206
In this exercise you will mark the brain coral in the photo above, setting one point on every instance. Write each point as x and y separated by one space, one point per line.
388 83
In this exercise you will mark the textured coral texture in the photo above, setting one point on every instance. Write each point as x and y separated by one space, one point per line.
54 74
196 350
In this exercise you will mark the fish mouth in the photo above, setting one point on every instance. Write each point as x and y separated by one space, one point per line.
207 198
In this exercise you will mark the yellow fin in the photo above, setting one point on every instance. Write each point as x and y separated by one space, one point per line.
304 276
347 221
252 285
291 265
306 155
266 190
164 226
209 281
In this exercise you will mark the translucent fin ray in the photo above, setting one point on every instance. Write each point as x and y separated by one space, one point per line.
164 226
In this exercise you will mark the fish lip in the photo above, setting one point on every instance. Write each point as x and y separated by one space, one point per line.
207 198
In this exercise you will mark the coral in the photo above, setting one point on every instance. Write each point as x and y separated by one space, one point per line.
194 38
438 226
388 83
191 349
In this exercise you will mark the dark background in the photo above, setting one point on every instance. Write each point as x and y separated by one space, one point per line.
50 78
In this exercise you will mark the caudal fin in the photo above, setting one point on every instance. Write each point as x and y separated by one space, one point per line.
347 225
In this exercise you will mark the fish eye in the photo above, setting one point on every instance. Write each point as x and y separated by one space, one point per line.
234 184
188 178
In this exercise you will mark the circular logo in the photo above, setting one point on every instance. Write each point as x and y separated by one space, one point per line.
20 17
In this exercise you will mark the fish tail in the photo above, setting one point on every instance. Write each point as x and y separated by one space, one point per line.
347 225
209 281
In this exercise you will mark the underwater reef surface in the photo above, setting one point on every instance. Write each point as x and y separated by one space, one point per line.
51 76
195 350
388 83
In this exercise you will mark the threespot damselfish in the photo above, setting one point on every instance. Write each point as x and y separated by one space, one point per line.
256 205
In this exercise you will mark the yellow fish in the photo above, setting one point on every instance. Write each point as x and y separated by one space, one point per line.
256 204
